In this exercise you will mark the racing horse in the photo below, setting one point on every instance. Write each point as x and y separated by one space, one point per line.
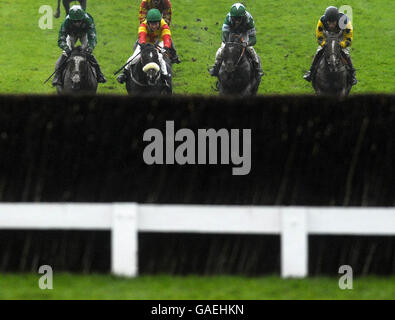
144 76
331 76
78 76
66 5
237 75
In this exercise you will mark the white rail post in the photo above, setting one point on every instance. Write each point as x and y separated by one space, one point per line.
124 244
294 243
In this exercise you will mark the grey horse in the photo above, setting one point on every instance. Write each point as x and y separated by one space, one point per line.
79 76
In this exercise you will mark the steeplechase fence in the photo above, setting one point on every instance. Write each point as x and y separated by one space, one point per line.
125 220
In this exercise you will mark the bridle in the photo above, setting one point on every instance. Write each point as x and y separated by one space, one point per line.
241 56
242 52
138 82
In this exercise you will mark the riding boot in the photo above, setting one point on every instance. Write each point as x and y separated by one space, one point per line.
174 56
59 67
99 75
258 69
308 76
123 76
353 80
215 68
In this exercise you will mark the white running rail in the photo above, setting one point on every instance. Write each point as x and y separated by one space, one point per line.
125 220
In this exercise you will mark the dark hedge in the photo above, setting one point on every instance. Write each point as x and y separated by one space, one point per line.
305 151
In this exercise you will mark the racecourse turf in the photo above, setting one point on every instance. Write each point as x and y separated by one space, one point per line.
285 33
72 286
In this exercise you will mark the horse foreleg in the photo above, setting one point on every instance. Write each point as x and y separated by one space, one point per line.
57 13
66 5
83 4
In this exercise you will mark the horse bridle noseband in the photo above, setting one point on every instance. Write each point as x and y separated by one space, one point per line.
134 79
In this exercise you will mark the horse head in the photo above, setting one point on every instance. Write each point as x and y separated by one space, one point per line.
78 68
332 51
231 55
150 64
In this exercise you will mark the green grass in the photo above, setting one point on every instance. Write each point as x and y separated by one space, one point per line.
286 43
71 286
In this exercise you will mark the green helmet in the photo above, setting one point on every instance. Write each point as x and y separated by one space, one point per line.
238 10
76 13
154 15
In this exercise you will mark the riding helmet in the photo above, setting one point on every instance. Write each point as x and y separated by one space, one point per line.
154 15
331 14
76 13
237 10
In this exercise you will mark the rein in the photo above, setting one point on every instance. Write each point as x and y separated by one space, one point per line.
241 56
136 81
242 53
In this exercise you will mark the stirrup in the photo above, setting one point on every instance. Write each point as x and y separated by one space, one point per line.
307 76
214 71
57 81
175 60
101 78
122 78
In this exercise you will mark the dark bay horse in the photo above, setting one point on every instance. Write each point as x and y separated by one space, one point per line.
237 75
79 76
66 5
331 77
145 76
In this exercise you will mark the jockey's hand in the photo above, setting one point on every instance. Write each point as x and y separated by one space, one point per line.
88 50
142 45
167 51
67 52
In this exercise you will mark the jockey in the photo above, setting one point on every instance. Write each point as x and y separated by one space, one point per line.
164 6
238 21
153 29
333 21
77 25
